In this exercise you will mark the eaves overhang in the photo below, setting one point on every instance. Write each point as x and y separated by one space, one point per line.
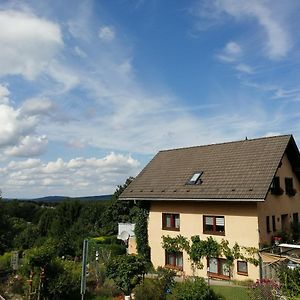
193 199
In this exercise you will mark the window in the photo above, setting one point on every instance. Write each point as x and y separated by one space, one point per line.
275 186
268 223
174 260
218 267
295 218
214 225
242 268
273 223
289 189
171 221
195 179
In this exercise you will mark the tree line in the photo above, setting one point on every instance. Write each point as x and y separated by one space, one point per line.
26 224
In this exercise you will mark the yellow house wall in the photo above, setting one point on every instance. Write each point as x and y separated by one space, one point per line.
277 205
132 246
241 226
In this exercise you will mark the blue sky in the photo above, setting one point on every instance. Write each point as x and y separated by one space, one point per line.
91 90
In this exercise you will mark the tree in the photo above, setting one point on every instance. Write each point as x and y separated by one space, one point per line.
5 229
117 211
127 271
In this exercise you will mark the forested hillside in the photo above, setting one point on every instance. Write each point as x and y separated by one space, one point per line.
25 224
49 237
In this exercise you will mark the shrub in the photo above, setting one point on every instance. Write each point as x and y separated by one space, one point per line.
290 281
150 289
5 261
166 277
126 271
264 289
156 288
62 279
108 289
195 289
16 285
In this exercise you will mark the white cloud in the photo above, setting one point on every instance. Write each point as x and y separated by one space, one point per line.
107 33
63 75
76 177
4 94
37 106
80 52
277 37
13 126
28 146
244 68
231 52
18 126
27 43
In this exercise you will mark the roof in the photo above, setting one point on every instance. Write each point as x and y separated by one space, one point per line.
241 171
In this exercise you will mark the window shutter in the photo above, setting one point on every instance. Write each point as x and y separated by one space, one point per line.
219 221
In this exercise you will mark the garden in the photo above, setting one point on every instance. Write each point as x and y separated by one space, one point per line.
41 256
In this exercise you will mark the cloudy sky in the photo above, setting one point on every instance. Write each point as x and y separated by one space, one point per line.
91 90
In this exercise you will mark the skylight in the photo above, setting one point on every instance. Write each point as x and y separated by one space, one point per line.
195 179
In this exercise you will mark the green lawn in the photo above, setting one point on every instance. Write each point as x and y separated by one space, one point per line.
231 292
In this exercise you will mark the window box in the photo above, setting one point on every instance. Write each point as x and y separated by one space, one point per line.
174 260
242 268
171 221
214 225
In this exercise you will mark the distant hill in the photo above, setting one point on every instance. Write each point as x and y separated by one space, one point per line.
61 198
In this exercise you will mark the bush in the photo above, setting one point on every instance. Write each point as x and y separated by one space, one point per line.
63 279
5 261
290 281
150 289
166 277
126 271
195 289
156 288
264 289
107 290
16 285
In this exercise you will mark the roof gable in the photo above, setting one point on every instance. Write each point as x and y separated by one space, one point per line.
236 170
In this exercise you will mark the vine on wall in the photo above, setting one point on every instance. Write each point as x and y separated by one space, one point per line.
141 231
198 249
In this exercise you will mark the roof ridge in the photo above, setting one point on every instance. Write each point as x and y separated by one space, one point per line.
231 142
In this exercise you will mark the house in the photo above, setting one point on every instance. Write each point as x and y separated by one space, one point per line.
245 192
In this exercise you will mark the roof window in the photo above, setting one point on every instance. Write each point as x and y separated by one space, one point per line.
195 179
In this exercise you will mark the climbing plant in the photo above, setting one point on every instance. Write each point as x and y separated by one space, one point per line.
176 244
198 249
203 248
141 232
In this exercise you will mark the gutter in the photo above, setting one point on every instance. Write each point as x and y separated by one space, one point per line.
193 199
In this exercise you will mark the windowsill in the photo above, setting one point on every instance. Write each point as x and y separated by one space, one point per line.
219 276
171 228
242 273
214 233
177 268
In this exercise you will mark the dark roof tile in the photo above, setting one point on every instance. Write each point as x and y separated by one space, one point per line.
235 170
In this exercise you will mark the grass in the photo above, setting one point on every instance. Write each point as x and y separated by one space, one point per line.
231 292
